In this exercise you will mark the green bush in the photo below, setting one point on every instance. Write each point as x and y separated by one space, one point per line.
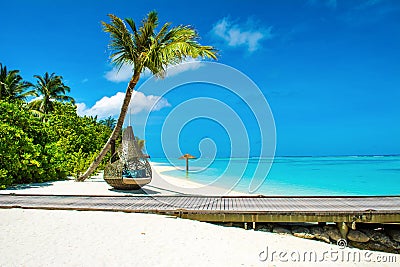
34 149
80 138
25 142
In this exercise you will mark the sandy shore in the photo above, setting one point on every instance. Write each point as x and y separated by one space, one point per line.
73 238
76 238
160 184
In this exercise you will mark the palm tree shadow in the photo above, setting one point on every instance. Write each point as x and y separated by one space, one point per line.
29 186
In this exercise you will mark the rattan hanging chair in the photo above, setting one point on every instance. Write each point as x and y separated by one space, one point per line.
129 168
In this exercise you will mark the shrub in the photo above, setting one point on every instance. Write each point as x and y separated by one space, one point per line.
34 149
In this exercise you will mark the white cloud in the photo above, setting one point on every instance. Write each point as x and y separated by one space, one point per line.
186 65
122 74
111 106
125 73
245 35
36 98
81 109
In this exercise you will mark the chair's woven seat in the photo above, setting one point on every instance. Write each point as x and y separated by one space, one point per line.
131 169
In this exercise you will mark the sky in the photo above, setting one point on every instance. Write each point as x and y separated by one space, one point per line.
328 69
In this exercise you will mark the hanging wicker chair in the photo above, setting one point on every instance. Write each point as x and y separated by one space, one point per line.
129 168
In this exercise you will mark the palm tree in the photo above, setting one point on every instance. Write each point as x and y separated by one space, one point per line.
12 86
109 122
144 48
49 88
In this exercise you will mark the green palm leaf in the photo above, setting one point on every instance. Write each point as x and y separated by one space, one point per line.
12 86
49 88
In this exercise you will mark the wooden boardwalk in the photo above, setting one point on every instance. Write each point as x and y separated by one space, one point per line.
384 209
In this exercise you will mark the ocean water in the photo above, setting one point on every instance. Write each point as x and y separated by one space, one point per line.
300 176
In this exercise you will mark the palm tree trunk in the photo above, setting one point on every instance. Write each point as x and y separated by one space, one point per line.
117 129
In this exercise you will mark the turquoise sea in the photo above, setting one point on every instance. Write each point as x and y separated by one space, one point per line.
303 176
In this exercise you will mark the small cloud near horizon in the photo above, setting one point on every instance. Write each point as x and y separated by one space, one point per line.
236 35
111 106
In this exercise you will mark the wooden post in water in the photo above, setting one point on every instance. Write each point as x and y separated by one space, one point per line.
187 157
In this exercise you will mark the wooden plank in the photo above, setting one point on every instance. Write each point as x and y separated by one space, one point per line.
185 202
197 204
209 203
237 204
274 209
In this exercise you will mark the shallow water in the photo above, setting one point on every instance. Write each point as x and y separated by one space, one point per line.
346 175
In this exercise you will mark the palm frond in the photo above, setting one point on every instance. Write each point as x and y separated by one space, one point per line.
144 48
173 47
12 86
121 46
163 31
149 24
50 87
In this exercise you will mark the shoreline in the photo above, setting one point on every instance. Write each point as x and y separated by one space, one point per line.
36 232
188 186
95 185
303 176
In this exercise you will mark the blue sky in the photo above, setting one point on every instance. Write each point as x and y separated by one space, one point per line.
329 69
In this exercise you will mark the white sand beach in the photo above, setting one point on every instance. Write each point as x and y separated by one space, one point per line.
77 238
160 184
91 238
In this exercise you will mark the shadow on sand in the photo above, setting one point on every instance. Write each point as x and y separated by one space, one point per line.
136 192
147 191
29 186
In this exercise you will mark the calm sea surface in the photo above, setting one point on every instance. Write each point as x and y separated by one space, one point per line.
348 175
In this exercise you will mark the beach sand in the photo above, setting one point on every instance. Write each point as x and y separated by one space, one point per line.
160 184
83 238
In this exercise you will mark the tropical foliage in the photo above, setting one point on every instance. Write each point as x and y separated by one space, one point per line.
49 89
79 138
12 86
37 150
146 49
109 122
26 148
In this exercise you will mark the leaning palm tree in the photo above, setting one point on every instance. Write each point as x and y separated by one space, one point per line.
146 49
49 88
12 86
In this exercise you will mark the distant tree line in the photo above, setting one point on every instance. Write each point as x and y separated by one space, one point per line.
41 136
